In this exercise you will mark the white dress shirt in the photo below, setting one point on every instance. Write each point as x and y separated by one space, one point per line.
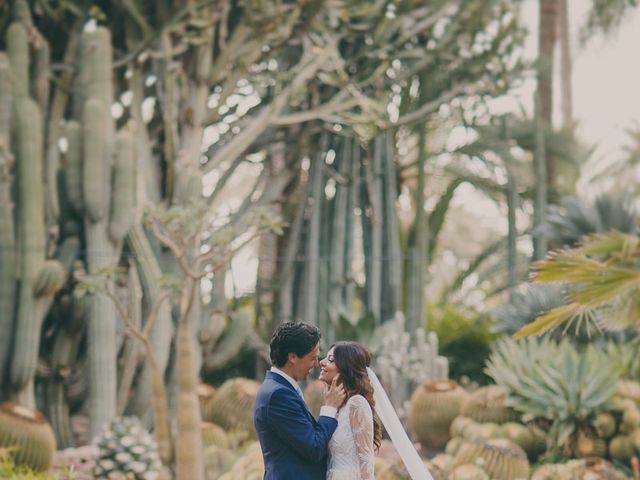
325 410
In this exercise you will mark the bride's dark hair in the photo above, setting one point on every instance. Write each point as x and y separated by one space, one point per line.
352 360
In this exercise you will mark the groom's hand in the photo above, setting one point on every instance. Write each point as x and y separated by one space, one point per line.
334 396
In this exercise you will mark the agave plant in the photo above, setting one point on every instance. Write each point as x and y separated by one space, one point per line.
553 382
601 280
568 222
626 358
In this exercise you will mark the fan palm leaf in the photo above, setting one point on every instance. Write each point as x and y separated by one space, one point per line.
602 279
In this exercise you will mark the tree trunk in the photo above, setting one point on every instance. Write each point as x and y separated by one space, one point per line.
540 203
547 35
565 64
417 250
189 455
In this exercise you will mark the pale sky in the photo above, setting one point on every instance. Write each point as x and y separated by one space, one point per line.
606 78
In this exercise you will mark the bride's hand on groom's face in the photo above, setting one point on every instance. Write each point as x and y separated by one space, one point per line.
334 396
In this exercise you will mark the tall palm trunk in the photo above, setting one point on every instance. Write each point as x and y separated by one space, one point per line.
565 64
540 202
547 36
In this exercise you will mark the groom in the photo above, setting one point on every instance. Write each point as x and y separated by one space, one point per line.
294 445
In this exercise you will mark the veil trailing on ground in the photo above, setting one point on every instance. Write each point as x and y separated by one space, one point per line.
389 418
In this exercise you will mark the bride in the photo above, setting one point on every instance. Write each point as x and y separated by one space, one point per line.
366 406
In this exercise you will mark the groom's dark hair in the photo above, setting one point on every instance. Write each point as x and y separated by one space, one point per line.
292 337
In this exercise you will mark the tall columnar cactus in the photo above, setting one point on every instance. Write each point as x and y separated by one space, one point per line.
35 285
18 51
107 219
7 234
31 238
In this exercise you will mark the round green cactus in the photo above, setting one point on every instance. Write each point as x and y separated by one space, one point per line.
213 434
481 431
232 407
468 472
27 435
605 424
433 408
459 424
489 404
126 448
500 458
206 393
588 445
518 434
453 445
621 448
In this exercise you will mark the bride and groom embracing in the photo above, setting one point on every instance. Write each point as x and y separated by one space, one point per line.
340 444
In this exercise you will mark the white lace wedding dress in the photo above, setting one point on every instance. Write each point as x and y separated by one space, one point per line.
351 447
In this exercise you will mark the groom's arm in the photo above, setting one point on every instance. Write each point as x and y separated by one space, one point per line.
288 420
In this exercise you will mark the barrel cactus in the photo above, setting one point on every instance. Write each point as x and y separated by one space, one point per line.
232 407
28 436
629 389
126 448
586 468
489 404
459 424
518 434
213 434
453 445
250 466
205 395
468 472
587 444
482 431
500 458
605 424
433 407
621 448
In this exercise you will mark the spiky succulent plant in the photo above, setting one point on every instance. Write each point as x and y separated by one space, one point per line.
552 381
126 450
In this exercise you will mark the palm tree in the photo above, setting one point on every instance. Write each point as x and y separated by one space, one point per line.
602 282
568 222
606 16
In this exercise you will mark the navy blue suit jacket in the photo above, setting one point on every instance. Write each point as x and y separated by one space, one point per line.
294 445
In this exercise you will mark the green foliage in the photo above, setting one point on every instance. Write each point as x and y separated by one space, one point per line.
626 358
9 470
465 339
602 282
553 382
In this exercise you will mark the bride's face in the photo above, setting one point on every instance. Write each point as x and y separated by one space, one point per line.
328 368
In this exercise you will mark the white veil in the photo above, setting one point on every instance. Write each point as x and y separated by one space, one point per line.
389 418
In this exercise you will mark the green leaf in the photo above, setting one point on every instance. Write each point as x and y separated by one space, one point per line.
548 321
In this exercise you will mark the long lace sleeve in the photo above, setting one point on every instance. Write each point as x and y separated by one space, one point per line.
361 422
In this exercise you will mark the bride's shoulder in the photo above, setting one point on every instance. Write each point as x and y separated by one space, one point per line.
358 401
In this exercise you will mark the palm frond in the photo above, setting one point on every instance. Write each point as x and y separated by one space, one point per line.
548 321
